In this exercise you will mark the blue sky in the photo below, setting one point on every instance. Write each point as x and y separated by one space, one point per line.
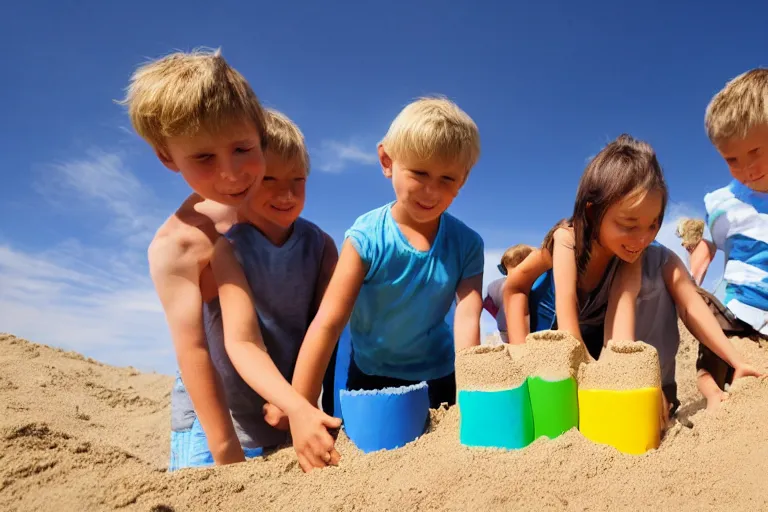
547 83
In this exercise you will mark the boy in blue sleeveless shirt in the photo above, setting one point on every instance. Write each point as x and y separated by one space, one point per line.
404 264
204 122
281 264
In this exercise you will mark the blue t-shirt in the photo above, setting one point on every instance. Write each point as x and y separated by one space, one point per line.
398 325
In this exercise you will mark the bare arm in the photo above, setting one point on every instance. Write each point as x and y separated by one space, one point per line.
516 289
242 335
273 414
566 281
701 257
469 306
245 348
175 273
622 302
324 331
698 318
327 266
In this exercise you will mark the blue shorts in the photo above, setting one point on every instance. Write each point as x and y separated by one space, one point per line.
189 449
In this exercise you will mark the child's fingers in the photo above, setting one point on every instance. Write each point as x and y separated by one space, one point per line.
331 422
311 454
306 466
335 457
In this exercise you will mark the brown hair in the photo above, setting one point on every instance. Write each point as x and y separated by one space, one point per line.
515 255
623 167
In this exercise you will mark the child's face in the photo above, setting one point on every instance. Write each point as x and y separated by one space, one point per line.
631 224
747 158
423 189
280 199
219 166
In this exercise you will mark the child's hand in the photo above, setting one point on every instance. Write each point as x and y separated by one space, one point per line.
275 417
745 370
222 216
311 439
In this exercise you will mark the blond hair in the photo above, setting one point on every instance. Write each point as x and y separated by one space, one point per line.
739 107
515 255
690 231
433 129
183 93
286 140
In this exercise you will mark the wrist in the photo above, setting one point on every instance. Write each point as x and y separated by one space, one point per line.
226 451
297 403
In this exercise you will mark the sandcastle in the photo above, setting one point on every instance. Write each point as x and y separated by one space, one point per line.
620 397
510 395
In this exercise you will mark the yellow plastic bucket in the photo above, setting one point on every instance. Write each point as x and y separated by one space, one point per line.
627 420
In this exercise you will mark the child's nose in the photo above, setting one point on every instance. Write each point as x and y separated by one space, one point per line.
230 170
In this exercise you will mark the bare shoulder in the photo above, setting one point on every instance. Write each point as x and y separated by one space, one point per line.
183 243
564 235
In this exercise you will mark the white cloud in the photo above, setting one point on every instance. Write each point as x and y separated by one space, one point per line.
102 180
94 298
334 156
83 309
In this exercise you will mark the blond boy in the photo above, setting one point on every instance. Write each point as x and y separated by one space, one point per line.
737 216
403 265
204 122
494 302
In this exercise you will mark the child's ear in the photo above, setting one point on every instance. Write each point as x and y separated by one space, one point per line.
166 159
386 161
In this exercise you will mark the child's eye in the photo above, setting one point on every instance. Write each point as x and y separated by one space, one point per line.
269 178
202 157
420 174
449 179
243 150
300 179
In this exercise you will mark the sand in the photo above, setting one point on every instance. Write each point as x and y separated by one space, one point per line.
555 355
622 365
491 367
551 355
78 435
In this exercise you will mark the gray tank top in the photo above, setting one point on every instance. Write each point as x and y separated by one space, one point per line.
656 317
283 281
656 313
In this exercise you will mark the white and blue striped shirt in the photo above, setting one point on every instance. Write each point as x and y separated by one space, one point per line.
738 223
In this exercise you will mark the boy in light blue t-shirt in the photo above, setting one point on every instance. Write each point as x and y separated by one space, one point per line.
404 264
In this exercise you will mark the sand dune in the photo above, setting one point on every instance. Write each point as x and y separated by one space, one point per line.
79 435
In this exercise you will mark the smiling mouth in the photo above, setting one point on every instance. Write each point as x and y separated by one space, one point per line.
283 208
425 207
240 194
630 251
